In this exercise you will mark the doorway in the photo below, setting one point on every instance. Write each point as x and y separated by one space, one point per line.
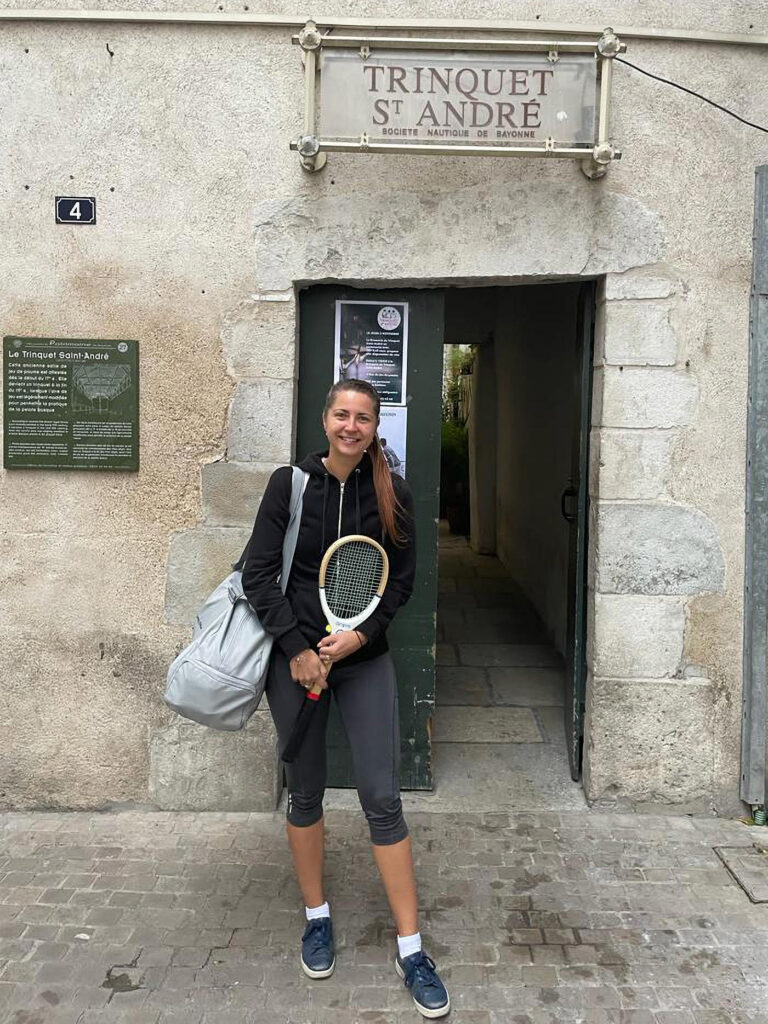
521 557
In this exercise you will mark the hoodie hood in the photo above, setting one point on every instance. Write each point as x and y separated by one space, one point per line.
313 464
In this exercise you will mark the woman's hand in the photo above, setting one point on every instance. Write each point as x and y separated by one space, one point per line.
308 670
341 645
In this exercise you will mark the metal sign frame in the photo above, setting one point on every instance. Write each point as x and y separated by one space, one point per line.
595 159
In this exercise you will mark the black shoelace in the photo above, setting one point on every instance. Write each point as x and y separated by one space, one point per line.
318 933
422 967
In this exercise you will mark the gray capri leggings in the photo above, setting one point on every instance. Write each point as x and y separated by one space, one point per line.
366 695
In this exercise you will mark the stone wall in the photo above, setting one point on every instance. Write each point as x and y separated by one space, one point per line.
652 729
207 225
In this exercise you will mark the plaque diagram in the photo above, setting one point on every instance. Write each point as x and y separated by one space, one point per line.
96 388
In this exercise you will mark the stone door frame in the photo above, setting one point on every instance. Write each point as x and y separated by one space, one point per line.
649 556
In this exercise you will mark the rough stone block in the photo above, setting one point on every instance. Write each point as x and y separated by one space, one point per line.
644 283
637 636
198 560
639 334
598 385
647 397
414 223
650 742
197 769
232 491
73 732
657 549
261 422
633 464
259 337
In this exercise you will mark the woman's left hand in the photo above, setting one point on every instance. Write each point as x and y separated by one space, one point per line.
340 645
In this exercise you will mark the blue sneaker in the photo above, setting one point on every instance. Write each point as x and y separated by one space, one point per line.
317 956
419 973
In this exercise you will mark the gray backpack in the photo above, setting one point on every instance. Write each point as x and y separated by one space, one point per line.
218 679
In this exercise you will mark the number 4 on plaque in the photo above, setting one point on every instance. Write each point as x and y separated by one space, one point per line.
75 210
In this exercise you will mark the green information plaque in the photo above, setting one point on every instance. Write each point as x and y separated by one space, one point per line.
70 404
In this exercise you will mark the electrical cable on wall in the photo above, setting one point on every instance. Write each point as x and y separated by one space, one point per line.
691 92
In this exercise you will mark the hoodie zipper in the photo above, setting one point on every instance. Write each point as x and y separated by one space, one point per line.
341 505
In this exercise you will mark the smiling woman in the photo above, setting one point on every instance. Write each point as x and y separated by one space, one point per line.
350 490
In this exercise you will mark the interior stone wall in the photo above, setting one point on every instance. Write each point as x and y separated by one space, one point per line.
535 367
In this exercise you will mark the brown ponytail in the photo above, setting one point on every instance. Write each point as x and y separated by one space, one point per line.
389 506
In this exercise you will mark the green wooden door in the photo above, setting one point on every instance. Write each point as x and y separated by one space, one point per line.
412 634
576 496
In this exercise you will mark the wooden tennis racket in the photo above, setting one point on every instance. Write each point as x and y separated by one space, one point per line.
353 574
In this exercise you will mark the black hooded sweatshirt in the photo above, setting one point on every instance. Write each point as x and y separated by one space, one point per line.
296 619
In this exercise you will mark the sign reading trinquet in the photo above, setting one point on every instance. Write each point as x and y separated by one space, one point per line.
490 101
481 97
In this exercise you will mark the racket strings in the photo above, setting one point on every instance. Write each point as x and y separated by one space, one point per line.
352 578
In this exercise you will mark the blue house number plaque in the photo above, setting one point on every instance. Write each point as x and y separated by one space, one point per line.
75 210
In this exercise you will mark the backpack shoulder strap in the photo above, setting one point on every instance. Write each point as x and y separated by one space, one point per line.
298 486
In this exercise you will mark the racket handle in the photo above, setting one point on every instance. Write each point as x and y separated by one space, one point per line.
301 724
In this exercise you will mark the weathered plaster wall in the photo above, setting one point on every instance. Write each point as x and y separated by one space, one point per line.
181 133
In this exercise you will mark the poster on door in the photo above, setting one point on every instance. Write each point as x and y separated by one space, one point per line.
371 344
393 430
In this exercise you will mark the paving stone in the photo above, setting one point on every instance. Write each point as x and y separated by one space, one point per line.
37 931
485 725
512 631
547 916
229 1017
493 655
56 896
452 599
529 687
749 867
446 655
462 686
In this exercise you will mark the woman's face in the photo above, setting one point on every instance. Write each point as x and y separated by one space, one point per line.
350 423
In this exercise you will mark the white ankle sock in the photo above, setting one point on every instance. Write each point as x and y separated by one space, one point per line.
313 912
407 945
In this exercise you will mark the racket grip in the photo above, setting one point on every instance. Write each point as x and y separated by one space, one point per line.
301 724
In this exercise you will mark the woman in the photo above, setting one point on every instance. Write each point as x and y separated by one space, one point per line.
349 490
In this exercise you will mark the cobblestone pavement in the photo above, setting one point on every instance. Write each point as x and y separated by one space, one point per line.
549 917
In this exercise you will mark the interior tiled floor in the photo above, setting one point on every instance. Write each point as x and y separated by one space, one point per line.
498 741
498 730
